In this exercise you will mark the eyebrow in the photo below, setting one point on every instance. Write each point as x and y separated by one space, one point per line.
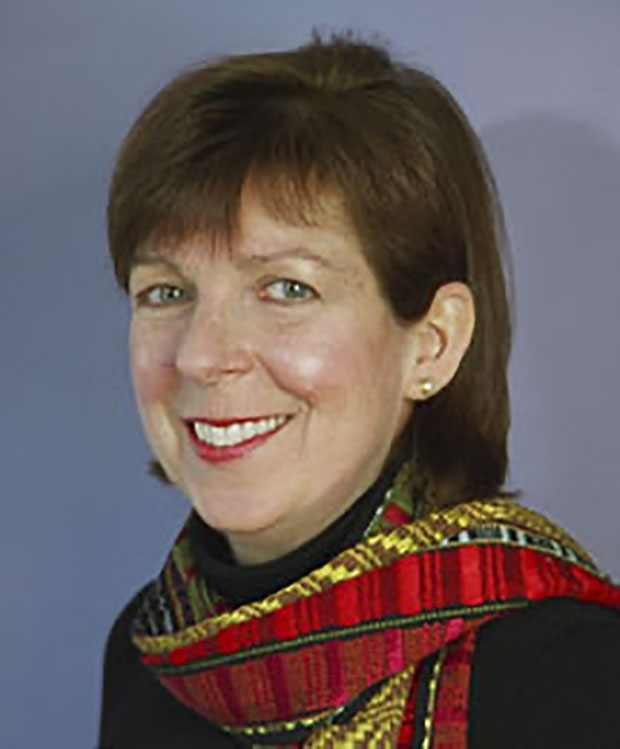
154 258
295 252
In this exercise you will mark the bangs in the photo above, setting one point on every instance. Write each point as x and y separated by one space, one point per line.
290 151
211 209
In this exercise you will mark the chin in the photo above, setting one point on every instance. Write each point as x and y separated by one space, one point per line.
232 518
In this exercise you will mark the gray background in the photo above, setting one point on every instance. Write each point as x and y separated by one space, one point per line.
82 525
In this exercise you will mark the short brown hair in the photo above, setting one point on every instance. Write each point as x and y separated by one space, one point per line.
343 114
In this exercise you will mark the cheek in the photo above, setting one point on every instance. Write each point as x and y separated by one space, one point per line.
152 358
308 371
333 360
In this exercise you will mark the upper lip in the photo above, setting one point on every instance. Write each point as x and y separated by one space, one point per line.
229 422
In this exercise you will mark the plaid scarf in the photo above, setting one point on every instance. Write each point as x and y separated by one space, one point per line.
375 648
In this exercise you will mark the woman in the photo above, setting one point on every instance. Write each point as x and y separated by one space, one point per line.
319 341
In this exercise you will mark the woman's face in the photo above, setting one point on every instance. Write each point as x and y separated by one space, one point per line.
271 380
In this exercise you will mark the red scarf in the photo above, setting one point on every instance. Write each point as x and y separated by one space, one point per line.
386 631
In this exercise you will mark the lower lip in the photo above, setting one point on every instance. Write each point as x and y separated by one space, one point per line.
224 453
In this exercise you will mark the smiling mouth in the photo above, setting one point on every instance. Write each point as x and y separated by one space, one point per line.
235 433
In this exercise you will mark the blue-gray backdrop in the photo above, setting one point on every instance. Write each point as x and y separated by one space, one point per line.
82 525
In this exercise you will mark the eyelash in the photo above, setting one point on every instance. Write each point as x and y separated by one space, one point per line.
289 282
145 297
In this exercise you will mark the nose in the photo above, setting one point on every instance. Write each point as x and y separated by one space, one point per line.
213 346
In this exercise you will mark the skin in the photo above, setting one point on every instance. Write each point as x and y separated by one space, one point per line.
220 335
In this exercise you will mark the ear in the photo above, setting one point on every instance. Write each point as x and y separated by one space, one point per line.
440 340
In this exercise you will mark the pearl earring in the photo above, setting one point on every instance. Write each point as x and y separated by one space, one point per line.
426 386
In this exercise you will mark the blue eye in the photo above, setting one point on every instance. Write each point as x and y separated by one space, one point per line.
160 295
286 289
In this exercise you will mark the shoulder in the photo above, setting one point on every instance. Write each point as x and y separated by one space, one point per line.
136 710
121 663
548 677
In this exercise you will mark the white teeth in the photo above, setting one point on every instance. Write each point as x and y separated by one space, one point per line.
201 430
236 433
263 426
248 430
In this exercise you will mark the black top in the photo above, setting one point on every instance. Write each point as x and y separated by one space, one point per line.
545 677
